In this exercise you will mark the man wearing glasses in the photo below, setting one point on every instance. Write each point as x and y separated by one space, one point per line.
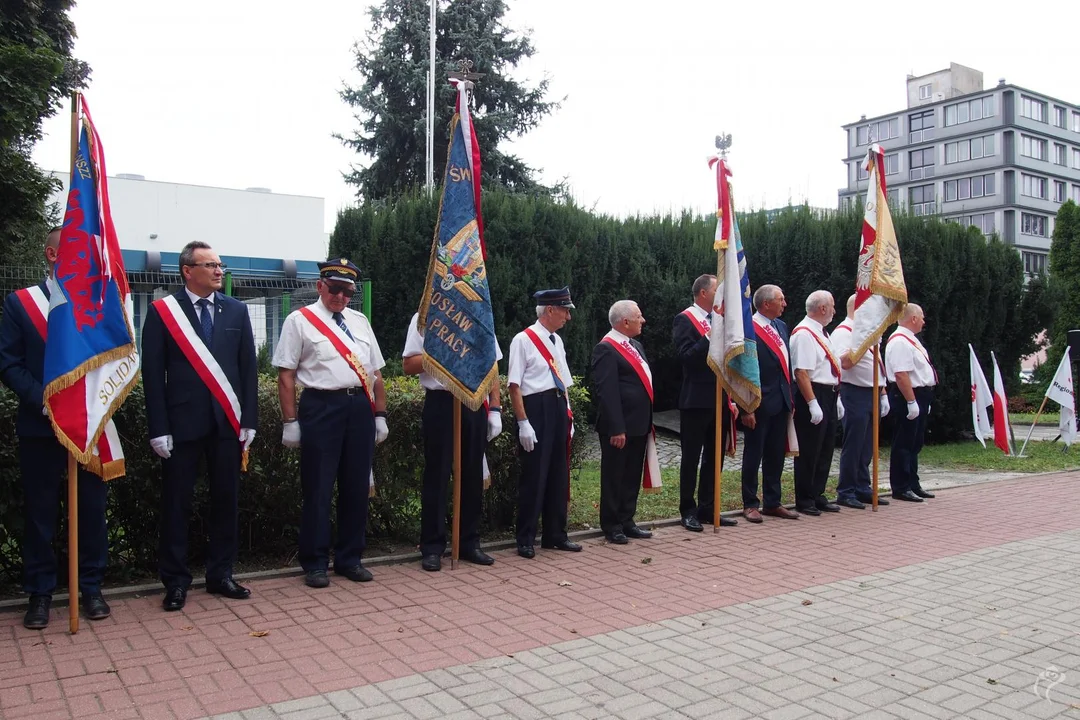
331 351
199 373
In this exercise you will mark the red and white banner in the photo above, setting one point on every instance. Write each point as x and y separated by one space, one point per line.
1002 431
980 400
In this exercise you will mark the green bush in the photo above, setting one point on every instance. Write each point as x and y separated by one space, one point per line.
270 498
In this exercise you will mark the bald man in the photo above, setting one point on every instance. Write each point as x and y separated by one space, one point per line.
912 378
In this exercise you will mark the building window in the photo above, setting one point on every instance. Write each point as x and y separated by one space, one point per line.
969 187
1076 158
892 164
1076 194
893 197
860 171
1059 191
1034 263
1033 224
1059 154
1059 116
1032 147
1033 186
983 221
921 164
969 149
925 91
1076 121
922 199
976 109
1033 108
921 126
878 132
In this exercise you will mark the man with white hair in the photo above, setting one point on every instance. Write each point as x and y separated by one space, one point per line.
912 378
817 375
538 376
857 395
622 391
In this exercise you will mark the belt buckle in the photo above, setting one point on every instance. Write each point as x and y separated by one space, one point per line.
352 391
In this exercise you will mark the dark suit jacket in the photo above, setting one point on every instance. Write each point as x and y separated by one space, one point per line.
22 366
623 403
698 389
178 403
776 391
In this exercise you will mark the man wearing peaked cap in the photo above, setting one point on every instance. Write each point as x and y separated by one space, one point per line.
539 377
331 351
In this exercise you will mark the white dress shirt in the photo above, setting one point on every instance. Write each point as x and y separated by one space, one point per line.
528 369
198 310
808 343
903 356
318 364
414 345
862 374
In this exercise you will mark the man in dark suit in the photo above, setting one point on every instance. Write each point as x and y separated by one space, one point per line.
767 427
43 461
183 336
697 408
622 390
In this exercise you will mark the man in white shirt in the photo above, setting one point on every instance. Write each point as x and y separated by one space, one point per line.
912 378
817 377
330 350
478 427
538 376
857 395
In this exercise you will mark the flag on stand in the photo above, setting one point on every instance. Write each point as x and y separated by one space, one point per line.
455 313
1061 392
1002 431
732 340
91 363
880 292
980 400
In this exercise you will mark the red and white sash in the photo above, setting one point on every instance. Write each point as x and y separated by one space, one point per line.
650 481
775 343
920 348
554 367
108 458
833 364
702 326
347 353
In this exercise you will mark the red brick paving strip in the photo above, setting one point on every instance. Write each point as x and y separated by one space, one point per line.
142 662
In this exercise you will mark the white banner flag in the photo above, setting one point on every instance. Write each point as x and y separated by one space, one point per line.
1061 392
980 400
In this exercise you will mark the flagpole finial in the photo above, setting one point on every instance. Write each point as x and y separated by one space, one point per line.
723 144
466 75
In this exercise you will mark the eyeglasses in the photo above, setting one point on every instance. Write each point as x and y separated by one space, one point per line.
337 289
210 265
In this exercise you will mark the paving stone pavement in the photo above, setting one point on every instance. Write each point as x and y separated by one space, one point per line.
965 636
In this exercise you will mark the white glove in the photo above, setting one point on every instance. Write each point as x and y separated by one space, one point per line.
816 415
381 430
884 405
912 410
162 445
494 424
290 434
839 409
526 435
247 436
45 411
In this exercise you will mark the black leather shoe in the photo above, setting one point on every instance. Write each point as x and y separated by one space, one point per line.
728 522
476 556
37 614
829 507
908 496
617 538
431 563
810 510
175 597
852 503
317 579
356 573
527 551
228 588
564 545
691 523
870 501
95 607
637 533
923 494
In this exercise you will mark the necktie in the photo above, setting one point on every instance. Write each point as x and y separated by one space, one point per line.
207 319
552 337
341 324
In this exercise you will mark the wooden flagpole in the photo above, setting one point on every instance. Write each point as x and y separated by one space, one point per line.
876 412
73 465
1032 428
455 543
718 472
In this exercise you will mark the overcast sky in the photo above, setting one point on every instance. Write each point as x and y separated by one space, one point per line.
239 93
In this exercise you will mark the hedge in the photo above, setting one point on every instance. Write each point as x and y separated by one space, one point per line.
270 491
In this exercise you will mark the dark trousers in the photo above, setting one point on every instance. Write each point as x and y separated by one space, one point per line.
816 445
907 439
438 430
764 447
858 447
545 473
43 462
621 471
337 442
177 490
697 438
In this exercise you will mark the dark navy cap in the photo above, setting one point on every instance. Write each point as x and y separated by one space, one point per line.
339 269
558 298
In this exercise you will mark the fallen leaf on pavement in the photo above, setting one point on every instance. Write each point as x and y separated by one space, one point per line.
991 681
646 560
807 602
259 633
565 583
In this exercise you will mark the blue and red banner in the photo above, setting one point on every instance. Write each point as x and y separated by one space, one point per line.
91 362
